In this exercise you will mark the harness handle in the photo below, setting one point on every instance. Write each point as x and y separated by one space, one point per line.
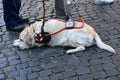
43 24
75 27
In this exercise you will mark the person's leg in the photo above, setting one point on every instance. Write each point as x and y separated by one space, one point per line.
104 1
18 5
60 8
18 18
11 15
11 11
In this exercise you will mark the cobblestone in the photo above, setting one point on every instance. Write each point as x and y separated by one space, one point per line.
86 77
96 68
108 66
69 74
45 78
25 71
9 69
32 76
2 60
99 74
37 69
2 65
23 77
82 70
45 73
2 76
12 74
58 76
112 78
58 70
22 66
71 78
112 72
51 63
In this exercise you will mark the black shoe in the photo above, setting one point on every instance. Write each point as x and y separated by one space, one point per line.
14 28
22 21
63 17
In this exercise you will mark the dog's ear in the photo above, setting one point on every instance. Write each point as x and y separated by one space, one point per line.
29 43
29 39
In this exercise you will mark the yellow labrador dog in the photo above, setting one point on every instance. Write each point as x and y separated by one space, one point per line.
78 38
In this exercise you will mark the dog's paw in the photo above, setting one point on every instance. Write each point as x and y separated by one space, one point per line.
70 52
17 40
15 44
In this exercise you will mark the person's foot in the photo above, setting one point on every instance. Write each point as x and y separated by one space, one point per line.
63 17
22 21
14 28
104 1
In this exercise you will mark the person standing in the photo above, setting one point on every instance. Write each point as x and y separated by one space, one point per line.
11 15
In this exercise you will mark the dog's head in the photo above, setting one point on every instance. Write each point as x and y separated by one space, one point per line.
27 36
25 39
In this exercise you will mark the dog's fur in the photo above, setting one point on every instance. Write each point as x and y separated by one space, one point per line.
78 38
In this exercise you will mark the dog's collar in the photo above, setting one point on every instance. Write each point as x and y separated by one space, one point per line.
42 37
38 37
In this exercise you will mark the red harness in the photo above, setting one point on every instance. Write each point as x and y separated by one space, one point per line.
38 37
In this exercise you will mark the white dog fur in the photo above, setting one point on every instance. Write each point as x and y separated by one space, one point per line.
78 38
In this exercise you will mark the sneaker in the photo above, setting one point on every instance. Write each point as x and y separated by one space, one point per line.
69 2
14 28
104 1
22 21
63 17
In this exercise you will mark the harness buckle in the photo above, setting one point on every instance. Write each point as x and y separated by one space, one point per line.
69 24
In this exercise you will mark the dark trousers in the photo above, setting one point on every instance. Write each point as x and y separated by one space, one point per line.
11 11
60 8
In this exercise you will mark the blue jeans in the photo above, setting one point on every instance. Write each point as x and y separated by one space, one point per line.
11 11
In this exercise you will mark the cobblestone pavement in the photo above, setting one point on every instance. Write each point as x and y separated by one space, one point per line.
48 63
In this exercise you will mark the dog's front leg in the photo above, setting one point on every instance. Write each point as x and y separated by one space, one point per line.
16 42
79 48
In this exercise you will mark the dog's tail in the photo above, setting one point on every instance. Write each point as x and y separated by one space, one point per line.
102 45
